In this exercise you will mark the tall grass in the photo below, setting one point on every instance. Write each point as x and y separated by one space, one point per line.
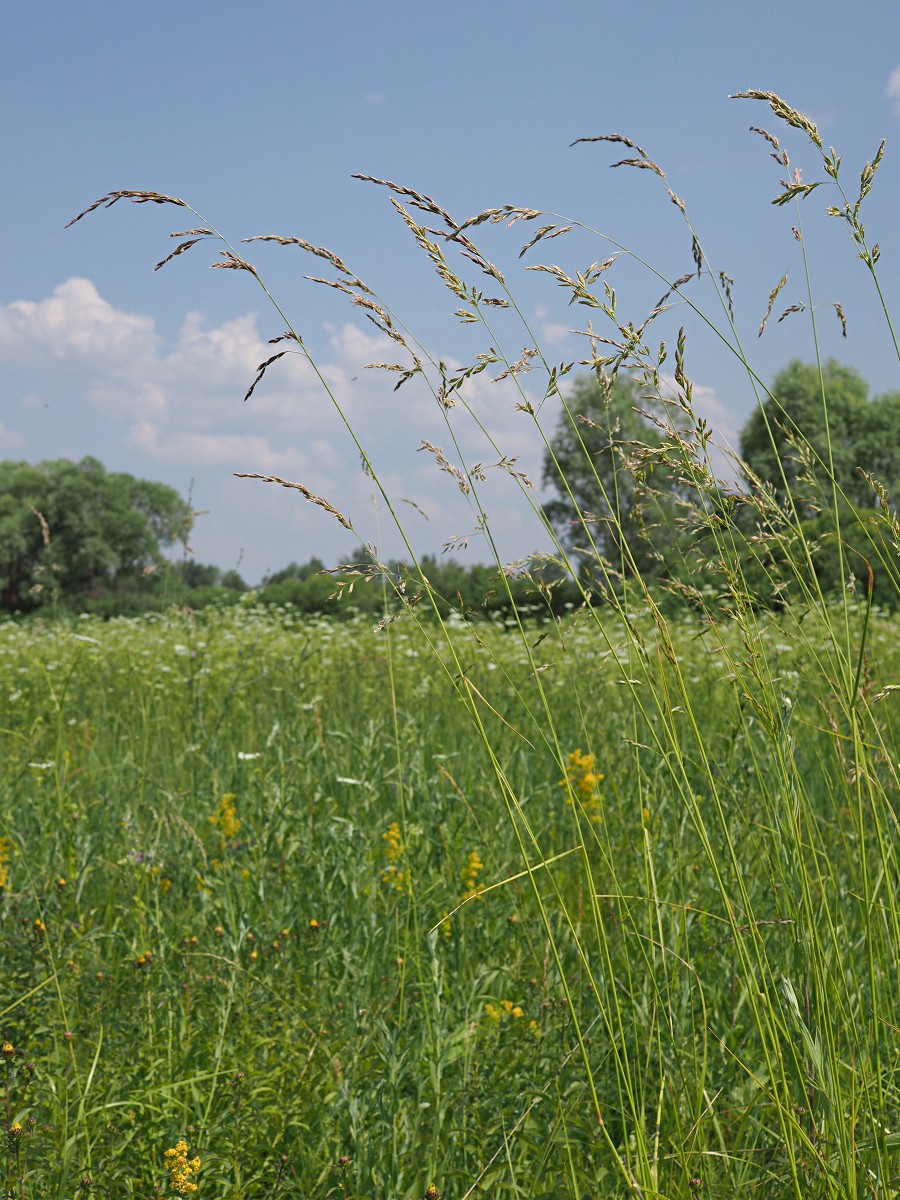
671 964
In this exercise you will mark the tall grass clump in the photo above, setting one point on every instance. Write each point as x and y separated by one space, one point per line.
603 907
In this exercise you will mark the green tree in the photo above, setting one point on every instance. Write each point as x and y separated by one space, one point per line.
73 529
591 465
788 443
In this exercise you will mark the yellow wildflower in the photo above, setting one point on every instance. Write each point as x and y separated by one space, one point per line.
470 872
5 850
225 818
582 781
508 1009
181 1169
393 873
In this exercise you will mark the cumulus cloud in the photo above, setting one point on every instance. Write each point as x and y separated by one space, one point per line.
74 323
892 91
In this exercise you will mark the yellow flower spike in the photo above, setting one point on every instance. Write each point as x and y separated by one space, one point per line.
181 1168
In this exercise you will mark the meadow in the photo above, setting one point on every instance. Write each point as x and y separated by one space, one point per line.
594 905
264 893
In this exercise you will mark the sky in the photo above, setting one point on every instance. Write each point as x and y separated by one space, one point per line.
258 118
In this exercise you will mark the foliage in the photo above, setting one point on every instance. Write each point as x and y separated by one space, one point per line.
75 530
815 426
600 463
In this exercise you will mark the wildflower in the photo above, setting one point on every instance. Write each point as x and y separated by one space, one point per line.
507 1010
39 926
7 1051
470 872
431 1193
581 782
5 849
313 924
393 873
225 818
15 1131
181 1169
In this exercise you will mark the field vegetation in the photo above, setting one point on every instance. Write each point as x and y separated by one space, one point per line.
598 901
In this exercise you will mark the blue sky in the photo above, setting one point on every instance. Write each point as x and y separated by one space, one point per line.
259 117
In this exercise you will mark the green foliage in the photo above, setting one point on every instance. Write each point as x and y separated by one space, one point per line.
790 443
599 463
71 530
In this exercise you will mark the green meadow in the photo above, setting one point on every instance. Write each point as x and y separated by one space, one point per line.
589 898
268 889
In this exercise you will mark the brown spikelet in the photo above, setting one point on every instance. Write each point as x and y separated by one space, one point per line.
841 317
180 249
509 465
780 155
546 231
304 491
518 368
231 262
772 296
136 197
444 465
784 112
644 164
510 213
261 369
417 199
318 251
618 138
794 308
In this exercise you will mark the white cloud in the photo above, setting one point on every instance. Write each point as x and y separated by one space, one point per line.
169 406
892 91
9 439
236 451
551 333
74 323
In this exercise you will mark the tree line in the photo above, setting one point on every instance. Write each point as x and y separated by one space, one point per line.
818 457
